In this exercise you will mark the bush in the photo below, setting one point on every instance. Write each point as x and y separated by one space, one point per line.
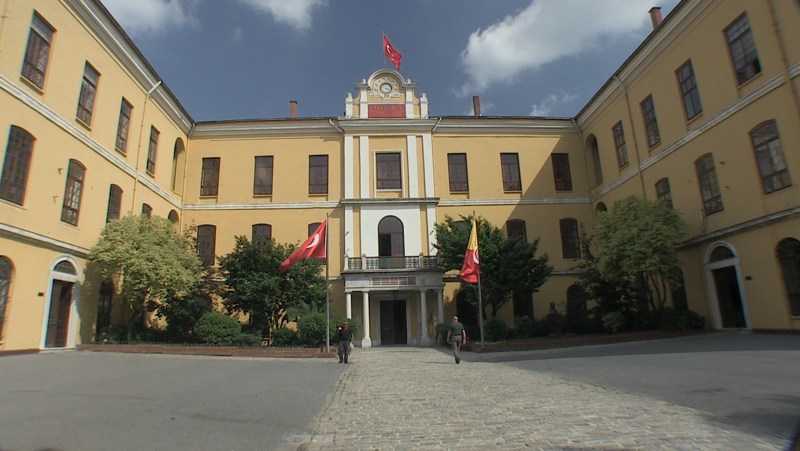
523 326
283 337
216 328
495 329
541 328
671 320
441 331
118 333
337 320
249 339
614 321
473 333
311 329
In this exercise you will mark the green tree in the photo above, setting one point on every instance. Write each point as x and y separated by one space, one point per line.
509 266
147 260
637 241
256 287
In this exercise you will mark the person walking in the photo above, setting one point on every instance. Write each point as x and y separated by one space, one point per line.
345 337
457 336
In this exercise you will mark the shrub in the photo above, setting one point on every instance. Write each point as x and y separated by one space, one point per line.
311 329
118 333
523 326
337 320
441 331
283 337
672 320
216 328
614 321
249 339
541 328
473 333
495 329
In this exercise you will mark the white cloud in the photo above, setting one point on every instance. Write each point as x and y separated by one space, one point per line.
546 31
295 13
142 17
236 34
551 101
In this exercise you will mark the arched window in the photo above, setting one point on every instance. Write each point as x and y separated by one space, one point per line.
16 165
594 151
5 281
570 240
789 256
576 298
663 192
206 243
262 230
147 210
720 253
391 242
173 217
114 203
769 154
600 208
178 157
313 227
72 193
65 267
516 228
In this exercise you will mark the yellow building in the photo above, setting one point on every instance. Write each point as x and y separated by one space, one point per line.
705 115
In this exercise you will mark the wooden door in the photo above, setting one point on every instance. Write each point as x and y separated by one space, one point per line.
729 297
393 323
58 320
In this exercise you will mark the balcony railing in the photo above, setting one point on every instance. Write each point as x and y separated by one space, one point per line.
404 262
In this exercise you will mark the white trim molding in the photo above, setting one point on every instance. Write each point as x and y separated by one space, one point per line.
40 240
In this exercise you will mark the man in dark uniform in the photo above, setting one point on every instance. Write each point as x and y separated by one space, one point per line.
457 336
345 336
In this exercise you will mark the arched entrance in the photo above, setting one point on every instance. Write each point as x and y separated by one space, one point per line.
62 311
724 286
391 243
467 313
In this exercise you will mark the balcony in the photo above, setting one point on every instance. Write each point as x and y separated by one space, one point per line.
409 262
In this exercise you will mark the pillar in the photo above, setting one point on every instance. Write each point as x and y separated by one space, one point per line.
440 304
366 342
423 310
349 305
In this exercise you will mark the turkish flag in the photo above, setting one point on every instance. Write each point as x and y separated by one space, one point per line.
391 52
314 246
472 264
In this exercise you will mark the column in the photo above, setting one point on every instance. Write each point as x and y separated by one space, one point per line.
366 342
349 304
440 304
423 307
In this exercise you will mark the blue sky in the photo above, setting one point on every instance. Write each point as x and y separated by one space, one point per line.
246 59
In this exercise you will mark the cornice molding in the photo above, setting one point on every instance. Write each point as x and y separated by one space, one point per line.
43 241
110 156
360 126
746 226
522 201
105 28
401 201
306 128
506 125
261 206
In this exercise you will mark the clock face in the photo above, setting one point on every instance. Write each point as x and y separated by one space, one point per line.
386 88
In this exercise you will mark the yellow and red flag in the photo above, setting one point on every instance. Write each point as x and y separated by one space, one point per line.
472 264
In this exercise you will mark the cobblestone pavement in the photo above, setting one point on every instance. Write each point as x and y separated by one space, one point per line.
418 398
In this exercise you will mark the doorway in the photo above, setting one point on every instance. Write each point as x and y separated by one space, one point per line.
729 297
393 323
391 243
58 319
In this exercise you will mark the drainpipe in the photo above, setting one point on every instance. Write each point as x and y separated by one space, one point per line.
777 29
139 147
585 167
3 19
633 133
183 181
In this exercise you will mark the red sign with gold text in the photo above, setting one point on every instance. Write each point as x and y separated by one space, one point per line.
387 110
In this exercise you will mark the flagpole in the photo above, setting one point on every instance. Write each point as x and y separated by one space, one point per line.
327 291
383 49
480 295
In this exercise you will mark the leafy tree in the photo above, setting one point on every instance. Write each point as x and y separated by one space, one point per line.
147 260
638 241
509 266
217 328
256 287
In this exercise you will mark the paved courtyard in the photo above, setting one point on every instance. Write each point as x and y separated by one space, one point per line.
417 398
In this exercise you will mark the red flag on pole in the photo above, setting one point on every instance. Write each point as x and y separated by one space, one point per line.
472 264
314 246
391 52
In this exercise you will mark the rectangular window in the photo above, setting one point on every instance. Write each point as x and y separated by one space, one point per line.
770 158
206 243
209 179
152 150
318 174
389 173
511 179
114 203
516 227
561 172
38 50
262 181
650 122
570 240
663 192
88 93
104 307
16 166
709 185
72 193
123 126
743 49
262 230
457 167
619 140
689 91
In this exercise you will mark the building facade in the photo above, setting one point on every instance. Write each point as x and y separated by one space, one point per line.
704 115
